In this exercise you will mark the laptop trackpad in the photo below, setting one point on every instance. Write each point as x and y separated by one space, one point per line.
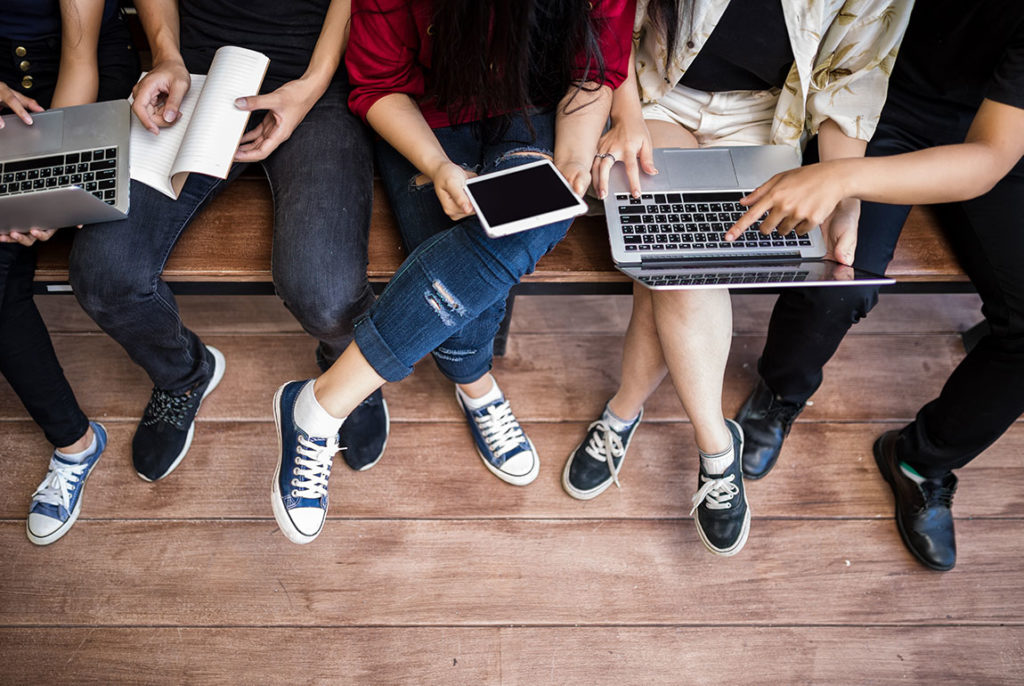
695 169
44 136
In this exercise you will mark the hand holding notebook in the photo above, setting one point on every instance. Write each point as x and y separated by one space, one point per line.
205 135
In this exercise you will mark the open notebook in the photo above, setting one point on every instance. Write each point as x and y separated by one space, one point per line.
205 137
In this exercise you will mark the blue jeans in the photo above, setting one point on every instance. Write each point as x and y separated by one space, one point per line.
321 181
448 297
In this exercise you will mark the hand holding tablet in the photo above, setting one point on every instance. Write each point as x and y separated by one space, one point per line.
523 198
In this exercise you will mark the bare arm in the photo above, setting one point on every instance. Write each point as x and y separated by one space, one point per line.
288 105
78 78
399 121
159 94
580 118
948 173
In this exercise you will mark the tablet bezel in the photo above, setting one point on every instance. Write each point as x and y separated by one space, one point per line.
508 228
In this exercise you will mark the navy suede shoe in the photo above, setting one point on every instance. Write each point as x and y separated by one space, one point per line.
364 435
299 492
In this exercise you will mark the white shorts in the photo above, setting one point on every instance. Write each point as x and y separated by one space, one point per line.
725 118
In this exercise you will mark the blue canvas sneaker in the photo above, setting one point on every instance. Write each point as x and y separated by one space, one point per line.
501 443
58 500
299 492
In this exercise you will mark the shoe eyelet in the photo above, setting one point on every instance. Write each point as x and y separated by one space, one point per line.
295 471
295 482
295 494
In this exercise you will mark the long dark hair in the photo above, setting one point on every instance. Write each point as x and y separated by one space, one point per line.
665 15
506 55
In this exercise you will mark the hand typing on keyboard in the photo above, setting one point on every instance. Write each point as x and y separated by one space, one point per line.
800 199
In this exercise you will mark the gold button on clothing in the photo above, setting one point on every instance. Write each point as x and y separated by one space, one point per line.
20 51
26 82
24 65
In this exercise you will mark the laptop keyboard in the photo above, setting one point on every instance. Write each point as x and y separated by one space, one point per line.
92 170
695 220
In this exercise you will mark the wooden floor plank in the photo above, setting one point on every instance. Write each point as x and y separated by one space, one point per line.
567 314
519 655
547 377
432 471
505 572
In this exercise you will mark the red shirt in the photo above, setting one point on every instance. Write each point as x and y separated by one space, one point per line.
389 51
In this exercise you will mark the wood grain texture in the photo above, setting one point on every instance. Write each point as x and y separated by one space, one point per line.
472 572
548 377
432 471
231 240
795 656
565 314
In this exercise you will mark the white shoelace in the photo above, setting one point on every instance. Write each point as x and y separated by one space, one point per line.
500 429
60 481
604 446
312 467
719 492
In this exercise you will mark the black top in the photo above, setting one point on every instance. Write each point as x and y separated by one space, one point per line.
748 50
286 32
31 20
963 52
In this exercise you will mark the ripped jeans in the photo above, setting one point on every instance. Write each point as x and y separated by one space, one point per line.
448 297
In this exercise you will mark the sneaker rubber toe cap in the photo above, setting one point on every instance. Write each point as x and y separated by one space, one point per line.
520 464
41 525
307 520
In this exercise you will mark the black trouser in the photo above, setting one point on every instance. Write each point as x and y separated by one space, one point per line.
985 393
27 359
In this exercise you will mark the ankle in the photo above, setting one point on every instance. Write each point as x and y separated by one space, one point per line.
84 443
625 410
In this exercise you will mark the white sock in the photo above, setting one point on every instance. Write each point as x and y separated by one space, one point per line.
617 423
717 463
312 418
78 457
484 400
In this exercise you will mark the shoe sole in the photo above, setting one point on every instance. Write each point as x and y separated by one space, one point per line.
745 530
876 449
577 493
387 435
66 526
284 522
218 374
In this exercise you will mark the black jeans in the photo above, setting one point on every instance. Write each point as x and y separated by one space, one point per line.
27 359
321 181
985 393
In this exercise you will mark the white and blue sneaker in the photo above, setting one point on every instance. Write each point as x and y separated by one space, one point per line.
500 441
299 493
58 500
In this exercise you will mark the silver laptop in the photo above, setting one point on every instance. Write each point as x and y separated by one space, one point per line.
672 236
69 167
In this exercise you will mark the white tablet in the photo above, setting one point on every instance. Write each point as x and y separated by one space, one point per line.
521 198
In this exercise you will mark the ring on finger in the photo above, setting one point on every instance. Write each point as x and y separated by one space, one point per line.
605 155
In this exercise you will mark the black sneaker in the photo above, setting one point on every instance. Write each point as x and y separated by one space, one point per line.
765 420
924 512
364 435
723 518
165 433
589 471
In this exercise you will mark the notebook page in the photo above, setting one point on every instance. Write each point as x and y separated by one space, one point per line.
217 125
151 157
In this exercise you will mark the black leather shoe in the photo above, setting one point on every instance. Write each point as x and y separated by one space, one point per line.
923 511
766 421
364 434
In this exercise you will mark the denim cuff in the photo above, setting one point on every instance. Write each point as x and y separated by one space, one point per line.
378 353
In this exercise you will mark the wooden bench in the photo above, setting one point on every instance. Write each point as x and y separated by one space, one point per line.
226 250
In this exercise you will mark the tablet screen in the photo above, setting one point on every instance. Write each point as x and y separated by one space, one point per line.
521 194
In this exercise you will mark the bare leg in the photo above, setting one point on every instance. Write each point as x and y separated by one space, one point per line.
476 389
643 363
349 380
